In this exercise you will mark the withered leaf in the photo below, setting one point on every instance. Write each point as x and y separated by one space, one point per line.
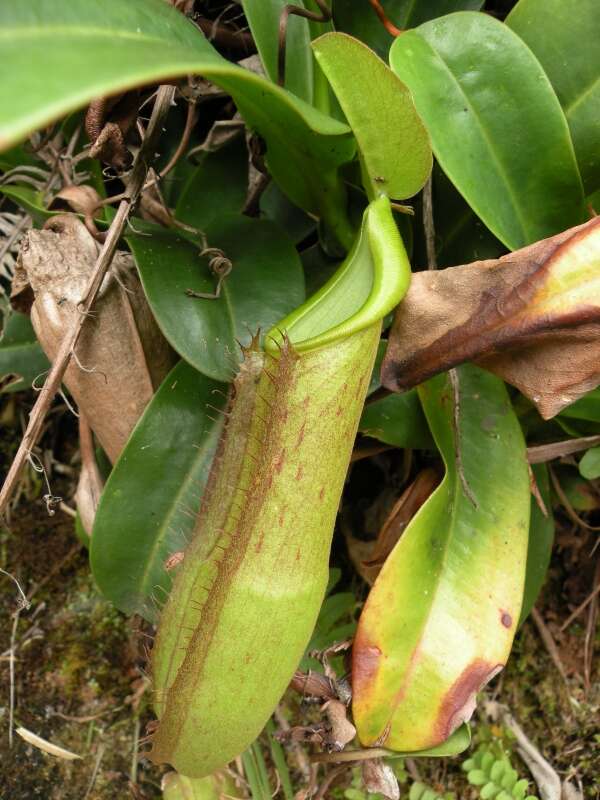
90 484
121 355
379 778
341 731
531 317
369 557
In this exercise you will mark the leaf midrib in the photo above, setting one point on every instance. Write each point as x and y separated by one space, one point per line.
500 167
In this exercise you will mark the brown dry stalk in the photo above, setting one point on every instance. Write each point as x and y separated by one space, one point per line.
539 454
299 11
63 357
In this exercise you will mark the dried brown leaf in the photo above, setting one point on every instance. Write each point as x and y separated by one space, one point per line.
532 317
121 356
90 484
369 557
81 199
342 731
379 778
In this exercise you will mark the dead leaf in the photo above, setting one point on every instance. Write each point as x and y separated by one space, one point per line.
83 200
369 557
532 317
121 356
90 484
379 778
45 745
342 731
403 510
313 684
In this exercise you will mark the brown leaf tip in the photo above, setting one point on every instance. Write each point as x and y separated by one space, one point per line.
459 702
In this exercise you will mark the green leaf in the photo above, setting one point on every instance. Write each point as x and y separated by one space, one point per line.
275 206
148 505
461 237
541 539
21 357
360 20
217 186
398 420
589 466
28 199
443 610
86 50
266 283
19 156
586 408
496 126
263 18
564 35
392 141
213 787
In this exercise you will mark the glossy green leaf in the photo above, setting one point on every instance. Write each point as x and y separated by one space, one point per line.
275 206
263 18
441 616
461 237
589 466
496 126
86 50
587 408
21 357
148 505
29 199
541 539
564 36
217 186
18 156
398 420
32 201
360 20
266 283
393 144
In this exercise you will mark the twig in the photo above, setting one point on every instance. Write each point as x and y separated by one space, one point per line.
428 225
63 357
335 773
549 642
299 11
11 669
99 758
590 629
579 609
571 513
226 36
16 232
136 746
295 747
547 452
23 601
546 778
